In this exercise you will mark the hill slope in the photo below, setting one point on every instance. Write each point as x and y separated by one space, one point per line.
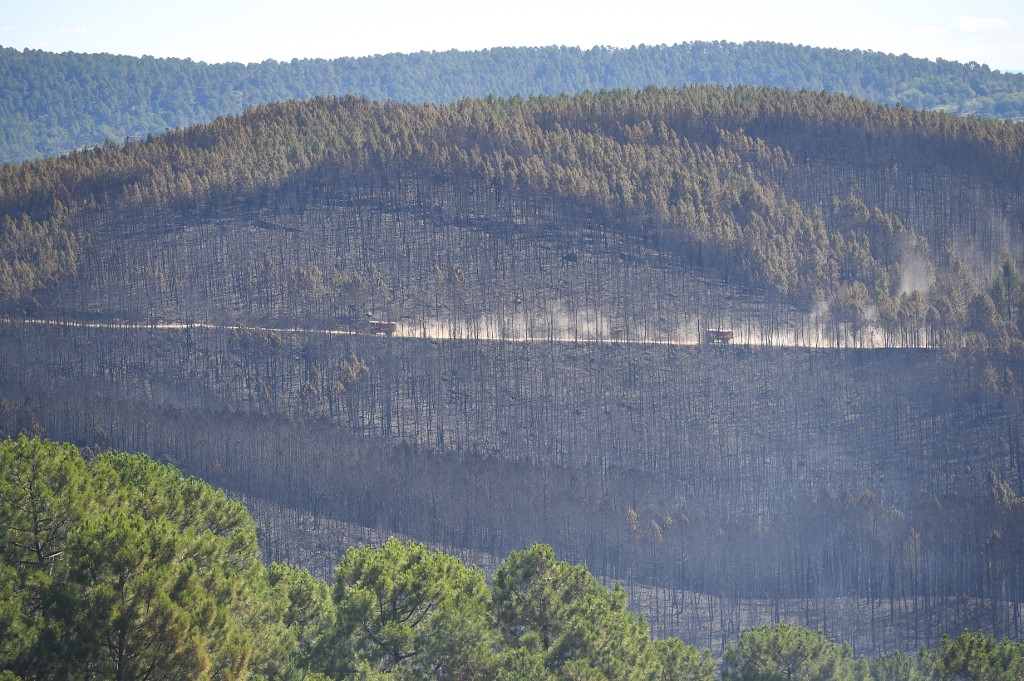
53 103
549 265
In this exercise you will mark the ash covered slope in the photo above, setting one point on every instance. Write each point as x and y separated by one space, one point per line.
806 199
545 262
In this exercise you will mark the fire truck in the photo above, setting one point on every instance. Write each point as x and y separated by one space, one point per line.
378 327
718 336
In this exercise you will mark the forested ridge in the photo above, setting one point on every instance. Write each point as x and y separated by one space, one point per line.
115 566
53 103
852 463
809 198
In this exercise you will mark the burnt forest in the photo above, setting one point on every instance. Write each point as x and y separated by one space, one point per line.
755 354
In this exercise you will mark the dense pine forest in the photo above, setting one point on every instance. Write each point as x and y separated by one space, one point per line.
482 325
53 103
114 566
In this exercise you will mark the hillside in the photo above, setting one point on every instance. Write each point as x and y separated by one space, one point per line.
53 103
853 462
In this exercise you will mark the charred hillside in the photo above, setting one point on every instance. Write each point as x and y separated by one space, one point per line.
805 200
744 474
547 268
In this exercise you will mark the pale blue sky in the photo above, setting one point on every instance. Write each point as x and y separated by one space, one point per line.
985 31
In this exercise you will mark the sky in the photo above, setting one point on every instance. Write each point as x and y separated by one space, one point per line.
984 31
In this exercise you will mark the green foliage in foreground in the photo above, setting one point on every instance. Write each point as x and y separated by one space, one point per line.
119 567
786 652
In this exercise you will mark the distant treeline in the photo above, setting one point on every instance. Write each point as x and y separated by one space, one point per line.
115 566
53 103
